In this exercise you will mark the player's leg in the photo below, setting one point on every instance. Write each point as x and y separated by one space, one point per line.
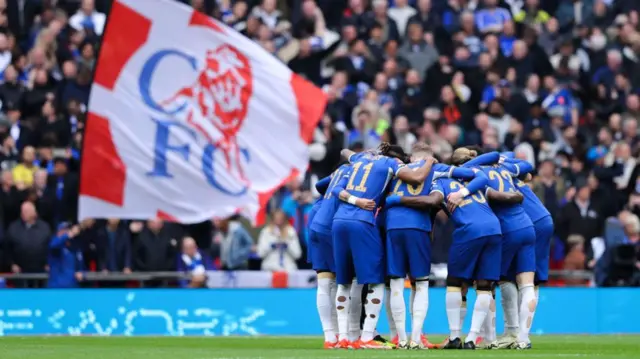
323 264
525 268
488 331
355 310
463 256
419 254
508 291
325 305
344 277
370 269
464 305
397 269
544 233
393 332
486 271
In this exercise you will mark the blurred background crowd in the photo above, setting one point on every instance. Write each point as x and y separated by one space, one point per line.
556 81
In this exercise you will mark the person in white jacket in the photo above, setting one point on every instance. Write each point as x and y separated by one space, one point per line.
278 245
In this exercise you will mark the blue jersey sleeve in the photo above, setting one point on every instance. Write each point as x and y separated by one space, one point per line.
478 183
462 173
484 160
518 167
436 186
339 187
395 165
323 184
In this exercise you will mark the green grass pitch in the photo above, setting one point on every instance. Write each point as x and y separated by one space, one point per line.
601 347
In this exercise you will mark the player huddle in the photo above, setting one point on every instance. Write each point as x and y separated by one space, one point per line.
373 224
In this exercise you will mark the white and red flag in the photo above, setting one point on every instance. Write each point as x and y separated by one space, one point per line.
188 119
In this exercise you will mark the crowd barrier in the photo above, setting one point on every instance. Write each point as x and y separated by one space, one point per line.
222 312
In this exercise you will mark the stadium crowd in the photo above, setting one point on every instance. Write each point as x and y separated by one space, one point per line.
556 81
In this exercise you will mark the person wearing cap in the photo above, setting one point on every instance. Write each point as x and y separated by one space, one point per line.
66 264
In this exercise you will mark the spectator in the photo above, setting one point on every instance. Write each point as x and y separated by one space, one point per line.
62 190
420 54
380 17
235 244
620 264
66 265
401 12
27 244
9 154
10 199
154 248
278 245
548 187
402 133
492 18
113 246
24 171
575 259
87 18
581 216
194 262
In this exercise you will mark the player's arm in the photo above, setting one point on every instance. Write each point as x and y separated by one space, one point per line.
415 177
478 179
323 184
518 167
486 159
347 153
345 196
504 197
433 200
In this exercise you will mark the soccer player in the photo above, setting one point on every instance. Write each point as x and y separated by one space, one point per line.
474 253
408 244
518 250
543 225
321 253
357 243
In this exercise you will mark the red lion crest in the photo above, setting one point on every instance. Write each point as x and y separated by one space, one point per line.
221 95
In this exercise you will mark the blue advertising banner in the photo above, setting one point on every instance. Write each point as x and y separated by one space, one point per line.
273 312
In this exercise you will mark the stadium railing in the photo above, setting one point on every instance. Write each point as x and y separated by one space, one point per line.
240 279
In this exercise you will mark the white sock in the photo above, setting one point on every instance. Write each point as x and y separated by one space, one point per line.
453 302
537 292
398 309
355 311
372 308
480 310
412 298
342 308
463 311
334 313
325 307
509 299
387 308
420 308
489 326
527 308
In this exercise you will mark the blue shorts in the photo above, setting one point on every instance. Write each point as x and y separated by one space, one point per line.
544 233
518 252
357 250
408 252
322 252
475 259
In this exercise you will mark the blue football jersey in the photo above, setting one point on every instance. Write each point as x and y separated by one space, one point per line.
512 216
401 217
473 218
532 205
324 216
313 211
369 178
